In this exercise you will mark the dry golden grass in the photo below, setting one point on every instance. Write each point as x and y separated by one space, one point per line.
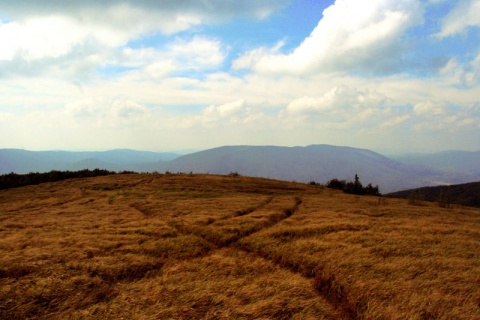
217 247
226 284
389 261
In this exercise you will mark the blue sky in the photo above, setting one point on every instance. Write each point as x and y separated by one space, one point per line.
392 76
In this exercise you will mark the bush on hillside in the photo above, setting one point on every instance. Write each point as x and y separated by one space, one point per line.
354 187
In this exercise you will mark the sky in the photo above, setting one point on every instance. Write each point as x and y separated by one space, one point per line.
394 76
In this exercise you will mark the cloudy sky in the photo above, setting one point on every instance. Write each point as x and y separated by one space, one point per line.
388 75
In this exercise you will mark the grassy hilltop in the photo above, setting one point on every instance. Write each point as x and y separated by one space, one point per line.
223 247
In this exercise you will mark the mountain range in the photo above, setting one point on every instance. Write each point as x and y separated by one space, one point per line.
319 163
23 161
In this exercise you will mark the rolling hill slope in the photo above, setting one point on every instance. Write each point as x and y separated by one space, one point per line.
467 194
185 246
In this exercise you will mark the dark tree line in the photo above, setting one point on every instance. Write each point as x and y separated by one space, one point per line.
14 180
466 194
354 187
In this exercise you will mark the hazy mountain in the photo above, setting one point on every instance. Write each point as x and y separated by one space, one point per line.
124 156
91 164
316 162
23 161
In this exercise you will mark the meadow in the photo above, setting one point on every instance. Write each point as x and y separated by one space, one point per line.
183 246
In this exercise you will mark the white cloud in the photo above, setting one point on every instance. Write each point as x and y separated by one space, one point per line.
59 46
338 98
352 35
118 21
128 109
350 109
251 57
450 68
104 73
197 54
80 54
73 39
431 108
228 114
114 112
466 14
445 115
119 11
340 108
473 72
6 117
159 69
465 75
225 110
51 37
395 121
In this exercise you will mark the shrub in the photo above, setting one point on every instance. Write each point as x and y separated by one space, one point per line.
234 174
336 184
354 187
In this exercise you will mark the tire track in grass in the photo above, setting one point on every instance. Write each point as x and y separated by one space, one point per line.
273 219
211 233
199 230
246 211
324 284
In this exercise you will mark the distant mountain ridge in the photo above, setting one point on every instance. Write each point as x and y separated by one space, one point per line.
24 161
315 162
318 163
